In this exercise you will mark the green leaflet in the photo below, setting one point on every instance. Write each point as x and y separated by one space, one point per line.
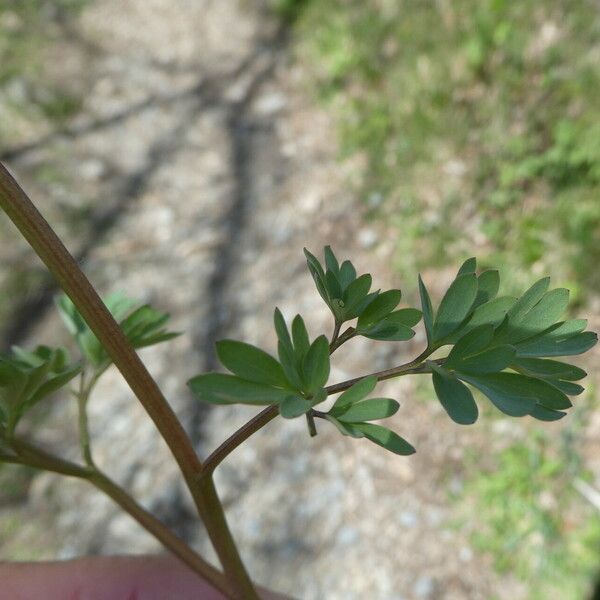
379 308
384 437
549 369
331 261
294 406
357 392
545 414
567 387
468 266
492 360
386 331
220 388
488 284
344 428
427 310
515 394
26 378
455 306
473 342
316 365
367 410
300 338
144 326
454 396
347 274
549 345
251 363
408 317
523 324
490 313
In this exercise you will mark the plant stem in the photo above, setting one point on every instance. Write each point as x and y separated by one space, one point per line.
334 336
83 396
30 455
268 414
65 269
312 426
338 341
239 437
221 537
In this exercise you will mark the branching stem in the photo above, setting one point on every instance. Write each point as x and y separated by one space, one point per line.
33 456
268 414
47 245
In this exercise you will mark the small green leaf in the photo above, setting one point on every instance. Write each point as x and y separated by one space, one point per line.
488 284
384 437
468 266
294 406
368 410
491 313
427 310
477 340
381 306
492 360
357 290
316 365
516 394
408 317
541 316
361 389
549 369
343 428
455 306
567 387
288 362
318 275
528 300
300 338
220 388
347 274
53 385
545 414
281 329
548 345
454 396
250 363
390 332
331 261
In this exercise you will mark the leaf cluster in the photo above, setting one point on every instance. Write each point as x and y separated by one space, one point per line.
296 381
27 377
351 414
502 345
143 326
348 296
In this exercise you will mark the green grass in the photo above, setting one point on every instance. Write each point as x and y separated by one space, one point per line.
27 29
531 521
478 123
476 128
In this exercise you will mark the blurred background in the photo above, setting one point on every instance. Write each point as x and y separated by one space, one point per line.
187 150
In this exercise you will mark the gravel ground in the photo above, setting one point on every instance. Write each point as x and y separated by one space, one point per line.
202 169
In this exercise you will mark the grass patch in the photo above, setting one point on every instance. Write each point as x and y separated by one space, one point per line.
531 520
477 122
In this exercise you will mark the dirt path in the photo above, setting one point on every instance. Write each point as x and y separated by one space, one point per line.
201 169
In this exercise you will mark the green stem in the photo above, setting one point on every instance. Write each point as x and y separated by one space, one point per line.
268 414
83 396
223 541
47 245
32 456
312 426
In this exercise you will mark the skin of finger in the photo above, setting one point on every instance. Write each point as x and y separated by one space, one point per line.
107 578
